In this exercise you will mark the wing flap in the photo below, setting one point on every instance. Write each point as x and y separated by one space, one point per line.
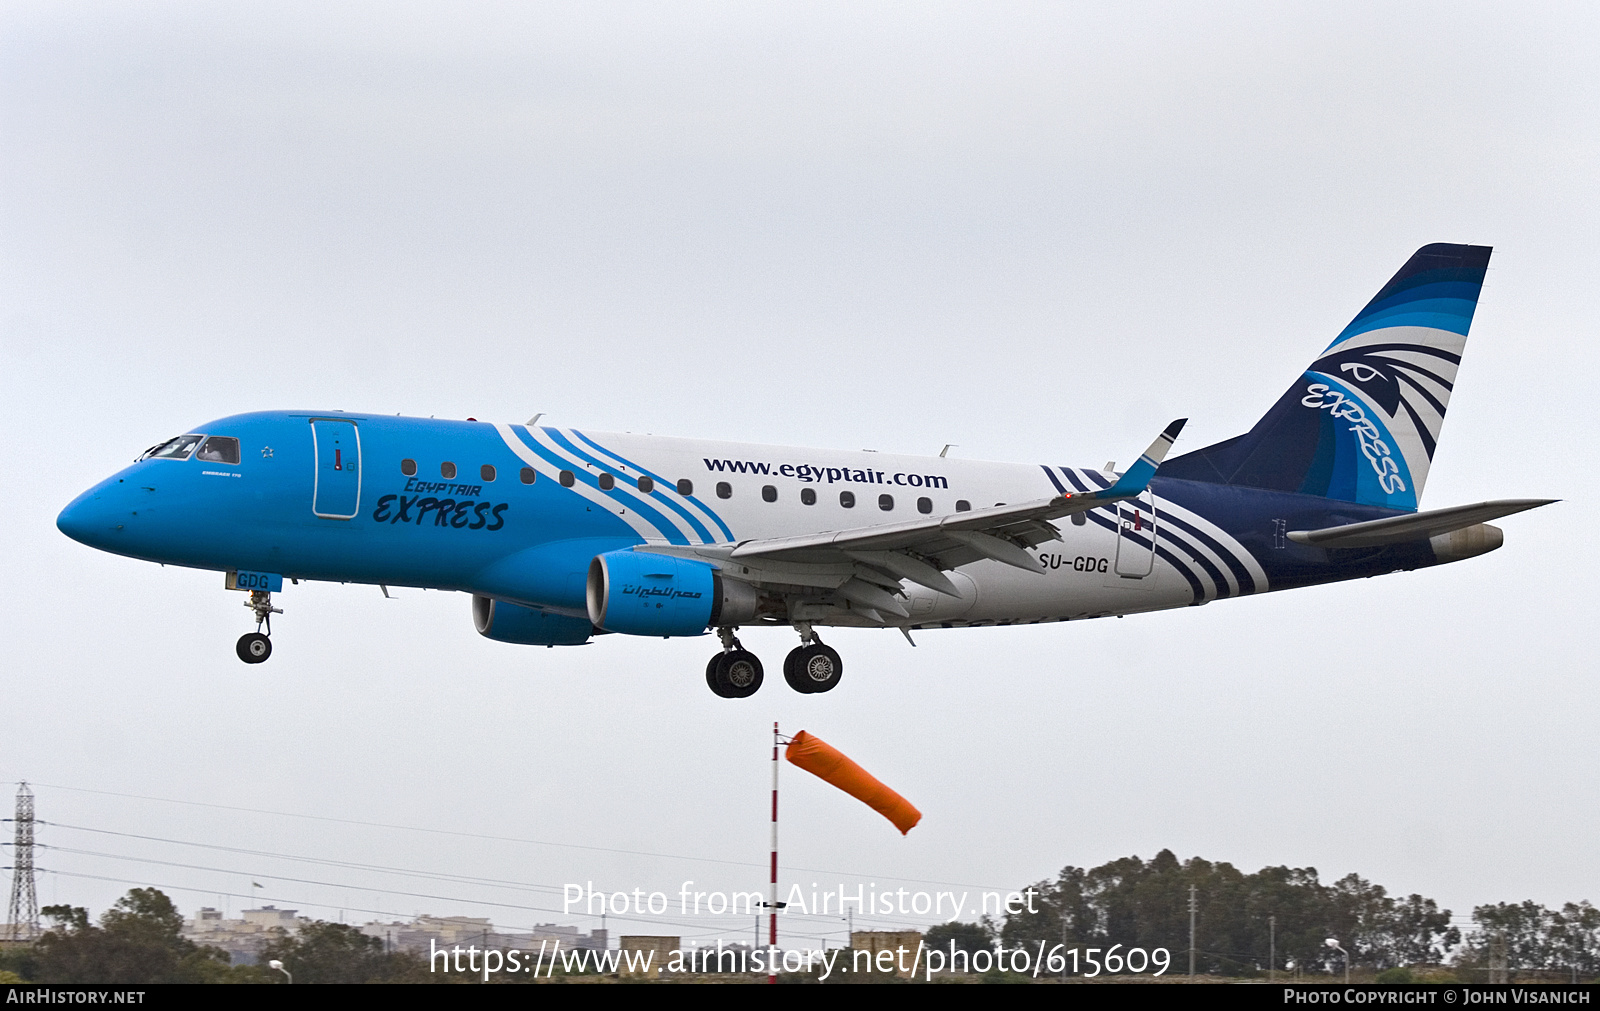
908 567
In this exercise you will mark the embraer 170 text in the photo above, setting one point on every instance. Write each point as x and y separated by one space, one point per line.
560 534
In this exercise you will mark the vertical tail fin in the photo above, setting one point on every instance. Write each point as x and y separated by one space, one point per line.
1361 424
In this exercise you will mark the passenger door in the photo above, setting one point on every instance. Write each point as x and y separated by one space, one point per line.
336 488
1136 538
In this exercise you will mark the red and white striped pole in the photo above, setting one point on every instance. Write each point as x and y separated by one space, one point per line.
772 904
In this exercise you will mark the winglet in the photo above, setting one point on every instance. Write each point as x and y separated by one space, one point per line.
1137 478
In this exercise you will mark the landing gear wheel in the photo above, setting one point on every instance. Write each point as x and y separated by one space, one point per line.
735 674
791 670
254 647
711 676
813 669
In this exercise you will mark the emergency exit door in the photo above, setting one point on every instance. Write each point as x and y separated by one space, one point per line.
336 491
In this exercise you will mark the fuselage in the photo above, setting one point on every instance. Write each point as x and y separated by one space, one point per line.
516 514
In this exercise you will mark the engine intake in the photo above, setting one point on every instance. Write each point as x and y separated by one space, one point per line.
639 593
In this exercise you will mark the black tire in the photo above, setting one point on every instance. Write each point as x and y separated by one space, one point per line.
711 675
818 669
791 670
738 674
254 647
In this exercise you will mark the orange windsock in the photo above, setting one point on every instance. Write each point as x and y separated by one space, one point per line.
826 762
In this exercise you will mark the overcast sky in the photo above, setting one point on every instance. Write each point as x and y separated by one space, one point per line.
1037 231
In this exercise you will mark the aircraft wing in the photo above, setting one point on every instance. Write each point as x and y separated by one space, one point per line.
999 533
866 564
1414 526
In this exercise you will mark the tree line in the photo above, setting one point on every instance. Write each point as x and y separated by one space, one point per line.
1283 917
1534 938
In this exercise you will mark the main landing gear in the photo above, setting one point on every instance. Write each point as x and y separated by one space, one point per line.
254 647
736 673
812 667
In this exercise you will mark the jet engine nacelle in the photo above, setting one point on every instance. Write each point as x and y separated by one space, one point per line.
638 593
503 622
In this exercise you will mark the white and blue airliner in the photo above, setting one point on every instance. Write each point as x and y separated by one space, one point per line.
560 534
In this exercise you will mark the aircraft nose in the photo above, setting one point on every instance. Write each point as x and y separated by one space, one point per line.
90 519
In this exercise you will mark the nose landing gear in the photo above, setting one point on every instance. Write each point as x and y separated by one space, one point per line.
254 647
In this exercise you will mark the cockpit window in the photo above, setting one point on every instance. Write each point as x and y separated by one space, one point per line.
174 449
219 449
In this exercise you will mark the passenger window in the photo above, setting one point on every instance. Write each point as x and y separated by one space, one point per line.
885 502
219 449
847 499
486 472
408 467
685 486
567 480
173 449
529 475
447 470
607 482
963 506
769 493
724 490
646 485
924 505
808 496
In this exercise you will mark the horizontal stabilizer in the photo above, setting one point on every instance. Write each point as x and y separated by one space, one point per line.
1413 527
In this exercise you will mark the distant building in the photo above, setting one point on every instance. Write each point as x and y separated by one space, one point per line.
427 933
268 917
242 938
875 941
659 946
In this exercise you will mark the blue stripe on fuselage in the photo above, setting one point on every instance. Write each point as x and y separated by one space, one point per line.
663 525
694 520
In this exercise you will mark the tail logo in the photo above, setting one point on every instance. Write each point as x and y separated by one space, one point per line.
1384 384
1361 373
1320 396
1393 376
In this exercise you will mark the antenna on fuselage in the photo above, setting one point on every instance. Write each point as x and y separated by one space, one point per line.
947 448
534 420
